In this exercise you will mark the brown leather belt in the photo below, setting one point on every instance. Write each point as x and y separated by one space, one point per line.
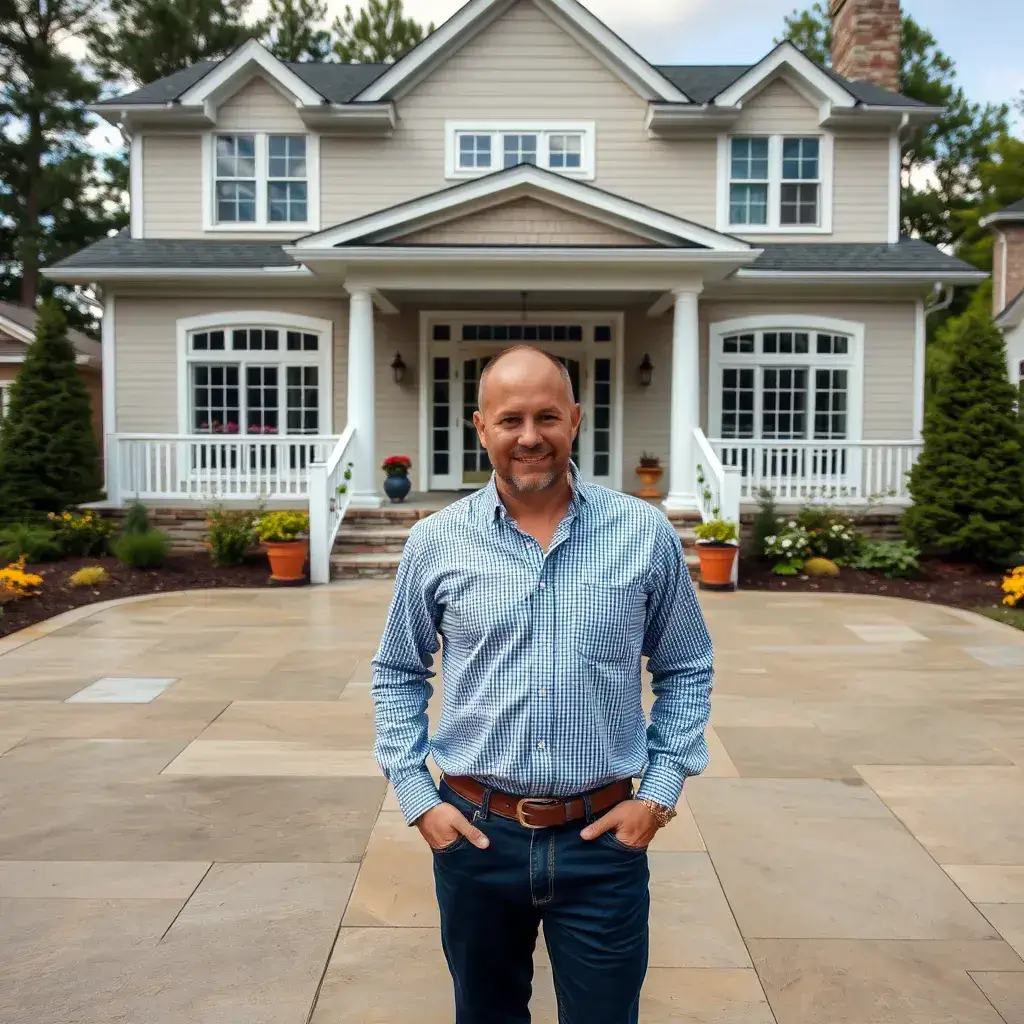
541 813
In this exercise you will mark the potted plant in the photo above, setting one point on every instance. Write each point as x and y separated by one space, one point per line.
650 472
717 546
396 481
285 537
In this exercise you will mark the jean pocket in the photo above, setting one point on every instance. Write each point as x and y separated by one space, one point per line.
452 847
610 839
610 620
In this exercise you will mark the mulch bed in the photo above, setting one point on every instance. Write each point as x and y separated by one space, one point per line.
181 572
937 583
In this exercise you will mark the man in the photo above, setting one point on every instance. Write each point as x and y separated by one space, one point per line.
547 592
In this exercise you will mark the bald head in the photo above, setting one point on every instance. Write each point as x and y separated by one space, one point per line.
523 361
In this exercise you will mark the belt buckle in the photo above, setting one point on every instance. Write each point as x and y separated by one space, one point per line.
539 802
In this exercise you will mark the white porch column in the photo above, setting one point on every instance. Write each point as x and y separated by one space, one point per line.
361 398
685 406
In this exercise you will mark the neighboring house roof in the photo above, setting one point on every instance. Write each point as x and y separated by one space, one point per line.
341 83
909 256
1013 315
19 323
1012 213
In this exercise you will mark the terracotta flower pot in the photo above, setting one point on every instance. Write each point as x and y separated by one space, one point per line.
716 562
649 476
287 560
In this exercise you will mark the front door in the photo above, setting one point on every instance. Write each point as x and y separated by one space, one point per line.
458 355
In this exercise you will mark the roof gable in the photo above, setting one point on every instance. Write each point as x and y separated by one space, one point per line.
812 81
19 324
524 180
477 15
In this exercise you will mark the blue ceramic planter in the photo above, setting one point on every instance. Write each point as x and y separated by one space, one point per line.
397 487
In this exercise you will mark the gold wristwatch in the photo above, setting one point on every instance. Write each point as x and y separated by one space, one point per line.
662 814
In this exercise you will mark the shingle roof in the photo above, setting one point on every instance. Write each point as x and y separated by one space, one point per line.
25 317
908 256
1014 209
341 83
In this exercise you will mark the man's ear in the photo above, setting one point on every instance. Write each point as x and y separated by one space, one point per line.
577 419
478 422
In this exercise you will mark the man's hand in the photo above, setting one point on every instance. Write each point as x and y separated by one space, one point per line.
631 821
443 824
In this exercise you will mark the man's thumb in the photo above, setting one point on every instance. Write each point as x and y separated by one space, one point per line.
596 828
473 834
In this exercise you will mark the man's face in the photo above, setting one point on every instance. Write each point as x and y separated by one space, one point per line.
527 422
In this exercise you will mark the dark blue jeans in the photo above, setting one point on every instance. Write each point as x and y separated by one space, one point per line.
593 898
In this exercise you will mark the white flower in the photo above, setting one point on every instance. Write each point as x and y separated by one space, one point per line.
792 525
787 543
770 540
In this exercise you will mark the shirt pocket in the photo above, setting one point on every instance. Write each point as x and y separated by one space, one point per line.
610 622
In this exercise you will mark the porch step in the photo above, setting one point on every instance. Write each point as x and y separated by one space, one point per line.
380 565
358 538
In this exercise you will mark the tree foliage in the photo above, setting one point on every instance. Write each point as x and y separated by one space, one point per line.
53 196
968 485
940 162
296 30
49 457
379 34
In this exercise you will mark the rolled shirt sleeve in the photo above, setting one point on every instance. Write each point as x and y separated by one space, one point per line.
680 659
402 670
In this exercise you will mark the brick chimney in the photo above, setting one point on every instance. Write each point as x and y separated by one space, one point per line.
866 39
1007 265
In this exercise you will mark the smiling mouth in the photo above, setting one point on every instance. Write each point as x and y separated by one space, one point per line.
532 460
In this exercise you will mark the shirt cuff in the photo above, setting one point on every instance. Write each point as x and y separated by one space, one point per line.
662 783
416 794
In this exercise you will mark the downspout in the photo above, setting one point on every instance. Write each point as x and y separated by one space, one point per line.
944 294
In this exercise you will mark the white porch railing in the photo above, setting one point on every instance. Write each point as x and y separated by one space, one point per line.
718 488
330 492
838 472
205 467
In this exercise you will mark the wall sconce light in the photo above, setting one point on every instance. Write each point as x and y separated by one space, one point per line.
646 371
398 367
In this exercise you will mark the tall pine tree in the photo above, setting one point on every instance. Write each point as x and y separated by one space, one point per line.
52 198
968 485
940 162
49 458
379 34
296 30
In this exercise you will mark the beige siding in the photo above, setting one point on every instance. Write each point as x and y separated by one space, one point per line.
259 107
172 186
778 108
861 205
93 384
522 222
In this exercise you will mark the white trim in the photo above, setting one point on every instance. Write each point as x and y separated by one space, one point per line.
108 381
785 54
543 129
227 319
826 184
5 397
1004 246
91 275
249 53
508 182
862 277
17 330
798 321
895 187
920 356
262 223
571 16
527 254
135 189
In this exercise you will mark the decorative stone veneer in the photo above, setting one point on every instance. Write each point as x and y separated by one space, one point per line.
866 41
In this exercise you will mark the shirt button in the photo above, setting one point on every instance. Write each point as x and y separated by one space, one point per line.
541 744
543 585
543 691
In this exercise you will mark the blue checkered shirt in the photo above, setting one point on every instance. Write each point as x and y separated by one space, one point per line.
542 653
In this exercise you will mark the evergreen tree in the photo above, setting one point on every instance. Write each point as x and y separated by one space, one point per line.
940 162
52 196
968 485
143 40
49 458
379 34
296 30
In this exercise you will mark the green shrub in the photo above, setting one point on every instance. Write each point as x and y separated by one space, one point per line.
136 520
278 527
893 559
766 522
147 550
37 543
789 550
81 534
968 484
230 534
831 534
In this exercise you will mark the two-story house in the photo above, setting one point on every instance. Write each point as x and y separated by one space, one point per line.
1008 283
325 251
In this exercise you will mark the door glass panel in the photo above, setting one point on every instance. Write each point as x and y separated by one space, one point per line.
602 418
573 366
476 466
441 416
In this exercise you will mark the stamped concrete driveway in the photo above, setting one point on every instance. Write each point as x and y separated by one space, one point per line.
192 828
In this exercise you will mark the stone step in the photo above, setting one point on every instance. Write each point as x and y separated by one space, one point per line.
365 539
375 565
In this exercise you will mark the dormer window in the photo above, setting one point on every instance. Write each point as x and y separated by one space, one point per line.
775 183
262 181
474 149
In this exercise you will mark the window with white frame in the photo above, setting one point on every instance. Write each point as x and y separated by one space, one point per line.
262 179
474 149
784 383
776 183
256 380
5 398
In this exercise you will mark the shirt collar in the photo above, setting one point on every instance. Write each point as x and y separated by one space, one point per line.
493 506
